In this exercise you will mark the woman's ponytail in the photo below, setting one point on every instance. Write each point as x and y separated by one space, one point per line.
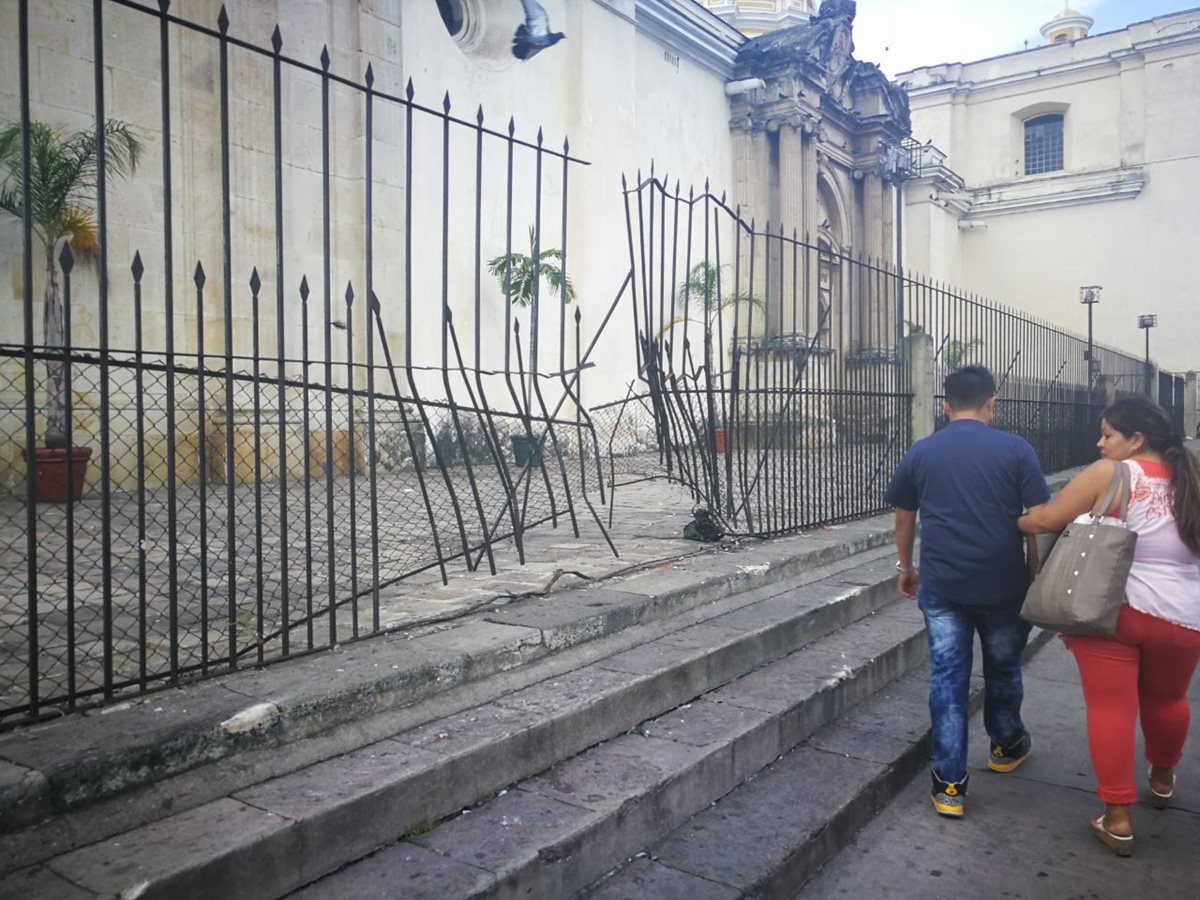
1185 485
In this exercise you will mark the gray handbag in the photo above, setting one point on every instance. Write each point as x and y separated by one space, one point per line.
1081 586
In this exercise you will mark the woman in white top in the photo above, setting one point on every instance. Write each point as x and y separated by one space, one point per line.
1148 664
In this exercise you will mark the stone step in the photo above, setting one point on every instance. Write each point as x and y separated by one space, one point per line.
551 835
770 835
126 810
275 835
66 765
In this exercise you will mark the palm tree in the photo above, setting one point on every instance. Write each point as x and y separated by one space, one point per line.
702 285
702 288
518 273
956 352
64 171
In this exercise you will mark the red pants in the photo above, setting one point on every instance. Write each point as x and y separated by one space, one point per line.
1148 663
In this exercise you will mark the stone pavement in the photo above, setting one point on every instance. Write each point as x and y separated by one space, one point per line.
1025 834
282 587
647 525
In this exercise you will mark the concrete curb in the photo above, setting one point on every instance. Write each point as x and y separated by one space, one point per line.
61 765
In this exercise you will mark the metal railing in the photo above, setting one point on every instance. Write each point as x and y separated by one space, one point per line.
1044 393
773 382
769 363
277 439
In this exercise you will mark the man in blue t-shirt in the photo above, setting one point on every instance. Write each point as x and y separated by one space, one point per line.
970 483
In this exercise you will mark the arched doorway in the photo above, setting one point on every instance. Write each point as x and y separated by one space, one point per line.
830 252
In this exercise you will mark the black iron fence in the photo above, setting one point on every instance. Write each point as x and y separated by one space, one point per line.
769 364
775 377
1171 398
378 376
227 465
1045 393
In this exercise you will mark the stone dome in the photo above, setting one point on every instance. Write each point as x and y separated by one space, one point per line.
1069 25
756 17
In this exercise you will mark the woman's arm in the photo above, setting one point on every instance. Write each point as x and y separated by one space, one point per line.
1078 497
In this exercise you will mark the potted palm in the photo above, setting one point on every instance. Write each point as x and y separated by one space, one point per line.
519 275
956 352
64 170
703 290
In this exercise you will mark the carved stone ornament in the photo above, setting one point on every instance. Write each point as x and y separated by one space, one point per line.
820 55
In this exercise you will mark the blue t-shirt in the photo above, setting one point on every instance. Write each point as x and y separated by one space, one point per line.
970 483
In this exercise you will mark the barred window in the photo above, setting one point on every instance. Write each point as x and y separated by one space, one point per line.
1044 144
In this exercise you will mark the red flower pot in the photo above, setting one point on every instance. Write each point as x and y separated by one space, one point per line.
717 436
50 476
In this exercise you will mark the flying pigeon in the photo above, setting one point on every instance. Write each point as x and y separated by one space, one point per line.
534 34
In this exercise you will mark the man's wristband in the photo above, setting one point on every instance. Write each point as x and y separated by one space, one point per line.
905 570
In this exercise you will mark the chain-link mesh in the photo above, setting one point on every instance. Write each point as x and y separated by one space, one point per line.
274 550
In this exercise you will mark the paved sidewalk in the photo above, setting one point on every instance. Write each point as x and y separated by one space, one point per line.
1025 834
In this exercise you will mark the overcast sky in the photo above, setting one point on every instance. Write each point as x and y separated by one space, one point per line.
905 34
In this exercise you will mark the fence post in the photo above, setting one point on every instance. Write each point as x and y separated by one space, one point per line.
918 353
1191 414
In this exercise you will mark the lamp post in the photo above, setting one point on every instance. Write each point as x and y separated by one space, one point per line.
1146 323
1089 296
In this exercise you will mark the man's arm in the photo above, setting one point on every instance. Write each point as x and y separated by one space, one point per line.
902 495
906 536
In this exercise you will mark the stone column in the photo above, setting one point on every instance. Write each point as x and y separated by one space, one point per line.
794 188
1132 83
1191 400
808 314
918 353
752 178
874 291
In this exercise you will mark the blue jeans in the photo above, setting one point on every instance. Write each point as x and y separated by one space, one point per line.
951 628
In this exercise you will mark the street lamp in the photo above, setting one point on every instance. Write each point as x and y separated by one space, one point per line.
1089 295
1146 323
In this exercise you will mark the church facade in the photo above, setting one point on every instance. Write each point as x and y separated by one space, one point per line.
1069 165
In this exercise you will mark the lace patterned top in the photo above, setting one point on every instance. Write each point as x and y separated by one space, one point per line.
1165 578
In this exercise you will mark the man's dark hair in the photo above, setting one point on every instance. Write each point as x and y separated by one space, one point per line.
969 388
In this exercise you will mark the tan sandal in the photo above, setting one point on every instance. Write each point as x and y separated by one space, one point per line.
1161 801
1120 844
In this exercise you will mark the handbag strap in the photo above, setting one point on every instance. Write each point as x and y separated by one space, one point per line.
1120 483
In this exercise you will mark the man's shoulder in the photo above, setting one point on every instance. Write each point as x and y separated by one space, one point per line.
991 442
1017 443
